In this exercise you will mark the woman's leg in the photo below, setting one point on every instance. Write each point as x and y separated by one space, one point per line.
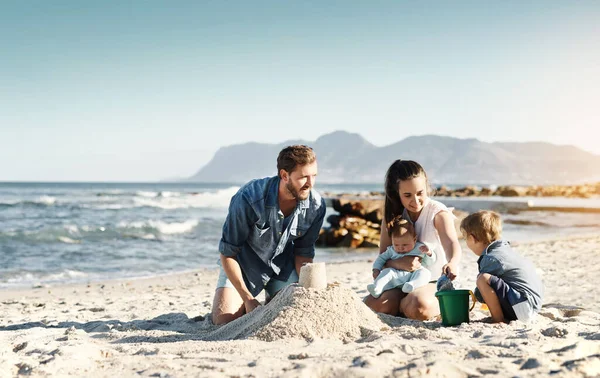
387 303
421 304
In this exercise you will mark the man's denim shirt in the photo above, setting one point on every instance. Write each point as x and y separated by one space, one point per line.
253 232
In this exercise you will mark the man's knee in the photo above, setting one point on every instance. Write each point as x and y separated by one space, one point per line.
224 318
227 306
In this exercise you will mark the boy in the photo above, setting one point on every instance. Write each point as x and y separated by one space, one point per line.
507 282
404 243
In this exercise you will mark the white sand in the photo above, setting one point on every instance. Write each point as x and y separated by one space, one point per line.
146 328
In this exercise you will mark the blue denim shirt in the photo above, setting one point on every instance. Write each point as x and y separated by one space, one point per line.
500 260
253 232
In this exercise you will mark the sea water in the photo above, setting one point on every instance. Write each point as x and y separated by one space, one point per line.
52 233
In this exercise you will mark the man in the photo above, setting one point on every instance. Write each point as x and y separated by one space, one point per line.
270 232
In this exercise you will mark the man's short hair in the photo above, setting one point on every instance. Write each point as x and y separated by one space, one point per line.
292 156
484 225
399 227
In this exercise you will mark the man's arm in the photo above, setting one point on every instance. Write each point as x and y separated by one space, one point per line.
235 233
234 274
304 246
301 260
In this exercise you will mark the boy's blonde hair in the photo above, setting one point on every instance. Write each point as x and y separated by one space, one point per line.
484 225
400 227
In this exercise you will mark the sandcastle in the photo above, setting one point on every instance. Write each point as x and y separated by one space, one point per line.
308 310
313 276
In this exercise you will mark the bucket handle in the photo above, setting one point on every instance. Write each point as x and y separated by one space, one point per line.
474 300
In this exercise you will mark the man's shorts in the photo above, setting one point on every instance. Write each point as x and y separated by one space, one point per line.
272 287
506 296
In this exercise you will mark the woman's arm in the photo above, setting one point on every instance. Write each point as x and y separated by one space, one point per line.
444 224
384 239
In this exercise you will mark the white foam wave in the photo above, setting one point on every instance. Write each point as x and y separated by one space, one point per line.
114 206
67 240
65 276
147 194
46 200
217 199
164 228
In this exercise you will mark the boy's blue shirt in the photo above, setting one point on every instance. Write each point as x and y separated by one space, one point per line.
262 240
501 260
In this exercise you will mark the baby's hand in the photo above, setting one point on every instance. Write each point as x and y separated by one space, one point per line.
376 273
425 249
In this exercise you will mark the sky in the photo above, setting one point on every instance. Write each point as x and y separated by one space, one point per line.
149 90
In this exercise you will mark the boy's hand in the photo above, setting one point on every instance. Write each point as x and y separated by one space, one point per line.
376 273
425 249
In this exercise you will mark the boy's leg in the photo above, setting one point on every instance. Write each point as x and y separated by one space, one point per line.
227 303
495 293
418 278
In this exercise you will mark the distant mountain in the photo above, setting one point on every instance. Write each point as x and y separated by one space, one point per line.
349 158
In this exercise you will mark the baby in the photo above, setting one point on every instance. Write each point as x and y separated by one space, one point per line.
404 243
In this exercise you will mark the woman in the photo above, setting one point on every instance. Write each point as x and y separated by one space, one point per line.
407 194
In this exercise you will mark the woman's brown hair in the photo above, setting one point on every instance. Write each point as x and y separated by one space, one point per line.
400 170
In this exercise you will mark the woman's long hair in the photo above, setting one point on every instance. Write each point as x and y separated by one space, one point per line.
400 170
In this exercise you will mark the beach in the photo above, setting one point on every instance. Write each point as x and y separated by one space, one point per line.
158 327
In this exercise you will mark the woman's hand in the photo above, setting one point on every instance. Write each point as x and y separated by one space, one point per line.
449 270
408 263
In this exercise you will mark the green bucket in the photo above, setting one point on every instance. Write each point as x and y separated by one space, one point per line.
454 306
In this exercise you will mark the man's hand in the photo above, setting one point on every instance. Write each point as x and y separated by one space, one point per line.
408 263
376 273
251 304
449 270
425 249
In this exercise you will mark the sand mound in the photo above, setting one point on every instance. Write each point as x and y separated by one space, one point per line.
299 313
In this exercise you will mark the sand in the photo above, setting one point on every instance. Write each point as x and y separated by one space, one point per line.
154 328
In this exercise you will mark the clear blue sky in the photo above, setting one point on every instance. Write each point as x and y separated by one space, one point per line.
148 90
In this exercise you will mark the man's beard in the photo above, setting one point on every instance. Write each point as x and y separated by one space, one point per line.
296 193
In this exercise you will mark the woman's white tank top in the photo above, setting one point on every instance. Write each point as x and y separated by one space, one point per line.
426 233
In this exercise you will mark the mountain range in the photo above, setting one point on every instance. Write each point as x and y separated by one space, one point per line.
345 157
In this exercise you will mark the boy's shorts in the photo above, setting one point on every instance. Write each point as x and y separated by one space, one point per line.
506 295
272 287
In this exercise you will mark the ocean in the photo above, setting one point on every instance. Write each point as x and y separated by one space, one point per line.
55 233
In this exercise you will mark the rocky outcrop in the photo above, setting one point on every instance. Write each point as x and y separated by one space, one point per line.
358 222
569 191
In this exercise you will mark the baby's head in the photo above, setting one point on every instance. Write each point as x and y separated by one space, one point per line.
484 226
402 234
